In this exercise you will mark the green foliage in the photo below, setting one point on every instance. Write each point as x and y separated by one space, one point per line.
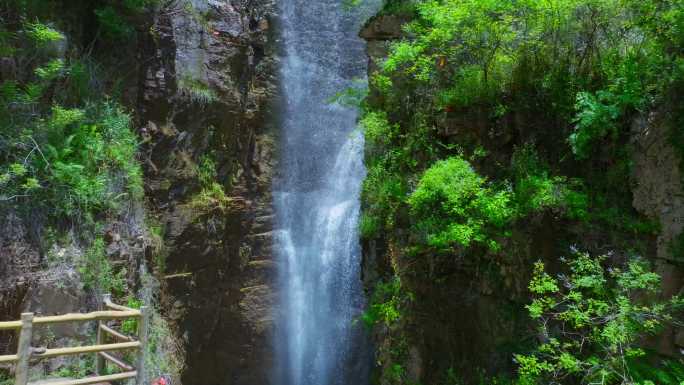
368 227
509 60
130 325
196 90
559 83
212 196
663 371
592 321
156 236
50 71
596 119
377 129
352 96
385 305
97 272
80 368
535 190
384 192
116 18
452 378
163 355
5 378
42 34
69 158
59 154
114 25
677 249
453 206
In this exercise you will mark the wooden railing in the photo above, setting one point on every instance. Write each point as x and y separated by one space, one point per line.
112 311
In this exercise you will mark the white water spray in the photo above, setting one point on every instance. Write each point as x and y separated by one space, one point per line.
317 199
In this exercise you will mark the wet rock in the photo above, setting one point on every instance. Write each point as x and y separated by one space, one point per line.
658 194
207 90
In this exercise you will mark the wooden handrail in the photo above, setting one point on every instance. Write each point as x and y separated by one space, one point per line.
50 353
114 360
25 352
8 325
8 358
109 304
76 317
94 316
115 334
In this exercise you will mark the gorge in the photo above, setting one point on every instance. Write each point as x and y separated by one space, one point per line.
349 192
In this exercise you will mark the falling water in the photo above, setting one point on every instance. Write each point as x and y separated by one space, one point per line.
317 198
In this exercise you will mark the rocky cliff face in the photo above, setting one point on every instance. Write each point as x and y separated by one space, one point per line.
205 85
659 194
207 89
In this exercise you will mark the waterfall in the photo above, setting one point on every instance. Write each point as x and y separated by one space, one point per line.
317 198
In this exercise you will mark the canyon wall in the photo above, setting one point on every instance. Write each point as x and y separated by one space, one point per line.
219 263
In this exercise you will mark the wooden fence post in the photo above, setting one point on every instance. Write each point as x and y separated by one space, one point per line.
143 324
24 349
99 360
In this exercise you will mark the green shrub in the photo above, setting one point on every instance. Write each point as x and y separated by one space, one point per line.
80 368
383 191
114 25
592 321
76 156
376 128
353 95
212 195
117 18
42 34
130 325
50 71
196 90
97 272
5 378
596 119
76 162
452 205
535 190
385 304
368 226
655 370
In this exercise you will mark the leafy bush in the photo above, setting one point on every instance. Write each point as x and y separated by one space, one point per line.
453 206
113 23
116 18
70 159
69 162
385 305
42 34
376 128
383 191
97 272
212 196
368 226
596 119
592 321
535 190
130 325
